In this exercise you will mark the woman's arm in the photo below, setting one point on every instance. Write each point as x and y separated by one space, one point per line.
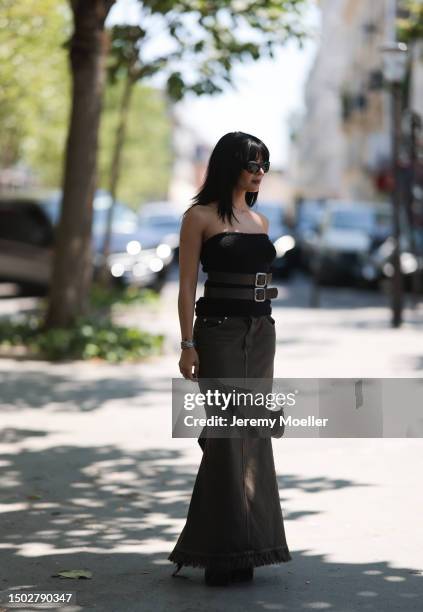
190 241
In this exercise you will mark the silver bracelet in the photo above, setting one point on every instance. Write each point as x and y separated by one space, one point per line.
187 344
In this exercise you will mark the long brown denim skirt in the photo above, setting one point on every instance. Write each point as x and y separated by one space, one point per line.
234 518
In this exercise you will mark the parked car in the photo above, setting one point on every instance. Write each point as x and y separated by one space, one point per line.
282 238
137 256
27 230
308 218
348 232
163 220
26 244
378 266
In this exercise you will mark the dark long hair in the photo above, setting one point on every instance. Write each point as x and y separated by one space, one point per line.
226 163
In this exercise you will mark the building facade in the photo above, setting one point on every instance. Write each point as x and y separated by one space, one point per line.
343 147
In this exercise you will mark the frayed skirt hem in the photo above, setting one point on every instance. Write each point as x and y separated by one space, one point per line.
231 560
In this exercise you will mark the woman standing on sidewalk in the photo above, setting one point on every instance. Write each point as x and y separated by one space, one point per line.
234 520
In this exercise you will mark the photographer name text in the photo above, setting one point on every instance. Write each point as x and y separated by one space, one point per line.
289 421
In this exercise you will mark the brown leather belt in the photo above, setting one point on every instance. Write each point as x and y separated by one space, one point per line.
259 279
258 293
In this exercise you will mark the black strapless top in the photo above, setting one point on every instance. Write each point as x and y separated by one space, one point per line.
240 252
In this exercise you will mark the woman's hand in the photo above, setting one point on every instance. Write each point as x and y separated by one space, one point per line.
188 360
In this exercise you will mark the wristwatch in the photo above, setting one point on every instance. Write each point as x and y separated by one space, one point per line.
187 344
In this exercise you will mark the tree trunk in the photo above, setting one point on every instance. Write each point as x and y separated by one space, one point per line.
72 267
115 171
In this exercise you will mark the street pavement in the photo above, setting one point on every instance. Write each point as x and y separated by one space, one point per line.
92 479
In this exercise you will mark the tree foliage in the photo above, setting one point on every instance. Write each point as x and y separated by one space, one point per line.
147 155
202 40
34 84
410 22
35 104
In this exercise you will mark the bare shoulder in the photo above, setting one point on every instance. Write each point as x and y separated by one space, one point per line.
264 221
195 221
193 214
202 214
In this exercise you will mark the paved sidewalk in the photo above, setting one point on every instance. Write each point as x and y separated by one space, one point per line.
91 477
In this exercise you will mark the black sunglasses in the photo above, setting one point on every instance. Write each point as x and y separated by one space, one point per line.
254 167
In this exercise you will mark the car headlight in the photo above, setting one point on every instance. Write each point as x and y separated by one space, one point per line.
117 270
163 250
156 264
284 244
408 263
388 269
133 247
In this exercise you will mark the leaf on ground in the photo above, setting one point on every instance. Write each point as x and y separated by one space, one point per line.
74 573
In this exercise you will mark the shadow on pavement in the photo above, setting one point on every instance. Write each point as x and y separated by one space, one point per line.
119 514
37 387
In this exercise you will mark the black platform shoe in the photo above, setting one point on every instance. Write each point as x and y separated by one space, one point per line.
242 575
217 577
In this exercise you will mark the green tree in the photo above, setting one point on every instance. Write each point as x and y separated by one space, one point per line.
146 156
410 22
34 85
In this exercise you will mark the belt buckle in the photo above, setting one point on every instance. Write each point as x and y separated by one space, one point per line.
256 299
257 283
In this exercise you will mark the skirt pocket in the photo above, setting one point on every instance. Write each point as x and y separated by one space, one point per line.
210 322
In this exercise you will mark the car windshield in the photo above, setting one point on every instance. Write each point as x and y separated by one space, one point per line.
369 220
161 221
353 219
310 211
24 222
124 219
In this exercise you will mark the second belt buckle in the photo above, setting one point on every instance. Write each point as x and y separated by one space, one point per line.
256 289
